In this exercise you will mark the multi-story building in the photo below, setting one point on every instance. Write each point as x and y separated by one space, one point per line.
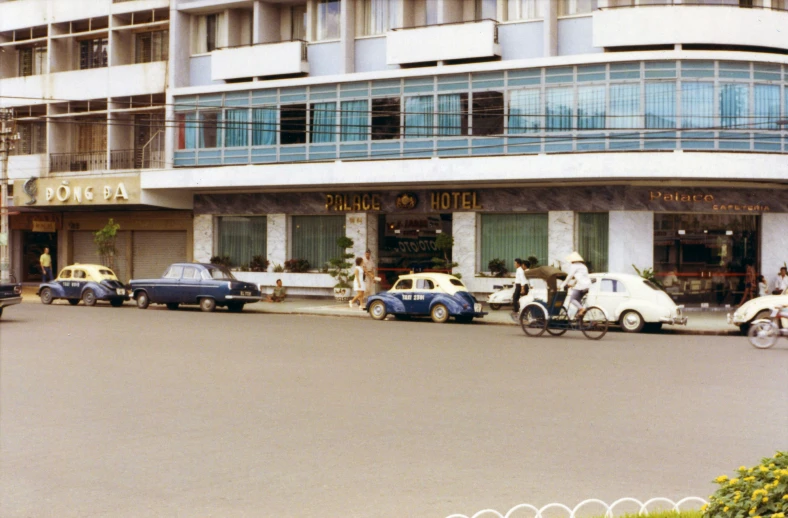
87 81
646 133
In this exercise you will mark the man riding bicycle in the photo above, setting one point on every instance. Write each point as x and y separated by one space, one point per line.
578 272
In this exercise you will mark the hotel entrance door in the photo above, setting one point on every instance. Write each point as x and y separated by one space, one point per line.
701 258
407 243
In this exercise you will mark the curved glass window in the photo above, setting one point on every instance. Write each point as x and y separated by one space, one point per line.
558 109
660 105
734 105
697 105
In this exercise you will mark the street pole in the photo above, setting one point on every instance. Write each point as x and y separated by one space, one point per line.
7 137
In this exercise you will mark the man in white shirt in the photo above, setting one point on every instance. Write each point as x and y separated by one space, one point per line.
520 284
780 282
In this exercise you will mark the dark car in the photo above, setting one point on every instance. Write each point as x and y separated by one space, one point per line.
86 282
208 285
437 295
10 294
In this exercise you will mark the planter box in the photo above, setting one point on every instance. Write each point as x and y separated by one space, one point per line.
315 284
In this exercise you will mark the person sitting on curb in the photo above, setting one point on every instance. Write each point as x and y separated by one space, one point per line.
278 294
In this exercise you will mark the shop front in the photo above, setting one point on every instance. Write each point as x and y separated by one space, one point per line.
698 240
64 214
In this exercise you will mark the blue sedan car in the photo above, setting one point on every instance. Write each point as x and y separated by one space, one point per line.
437 295
208 285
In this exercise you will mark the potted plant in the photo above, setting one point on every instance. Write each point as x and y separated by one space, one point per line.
105 243
296 266
222 260
339 268
259 263
497 267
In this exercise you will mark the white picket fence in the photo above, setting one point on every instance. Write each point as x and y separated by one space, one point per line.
572 513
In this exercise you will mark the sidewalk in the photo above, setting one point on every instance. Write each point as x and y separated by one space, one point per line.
699 322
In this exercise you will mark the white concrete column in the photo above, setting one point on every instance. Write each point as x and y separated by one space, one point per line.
450 11
560 236
347 35
203 238
356 229
774 244
266 26
463 229
372 235
276 239
550 28
631 241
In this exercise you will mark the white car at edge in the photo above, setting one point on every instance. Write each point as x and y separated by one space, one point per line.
756 309
633 303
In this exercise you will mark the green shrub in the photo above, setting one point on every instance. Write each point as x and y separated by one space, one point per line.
497 267
222 260
757 492
259 263
297 265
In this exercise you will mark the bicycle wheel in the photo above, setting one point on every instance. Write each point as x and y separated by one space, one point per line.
533 320
559 324
594 323
763 334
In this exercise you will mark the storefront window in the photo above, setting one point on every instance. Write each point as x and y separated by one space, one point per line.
507 236
315 238
702 257
592 239
406 242
242 237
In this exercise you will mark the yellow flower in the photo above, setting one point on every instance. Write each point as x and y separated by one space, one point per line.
752 511
763 468
733 481
778 515
726 509
704 507
721 479
742 468
785 497
764 500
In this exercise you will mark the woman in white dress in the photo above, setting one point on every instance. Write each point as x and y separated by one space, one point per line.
359 286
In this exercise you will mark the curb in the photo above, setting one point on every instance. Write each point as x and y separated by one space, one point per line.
28 298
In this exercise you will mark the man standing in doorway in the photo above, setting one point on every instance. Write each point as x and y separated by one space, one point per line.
370 272
46 266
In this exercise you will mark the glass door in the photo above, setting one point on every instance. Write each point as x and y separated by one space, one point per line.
407 242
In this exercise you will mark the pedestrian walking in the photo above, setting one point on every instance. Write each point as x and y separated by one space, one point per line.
371 273
358 284
520 285
780 283
46 266
750 285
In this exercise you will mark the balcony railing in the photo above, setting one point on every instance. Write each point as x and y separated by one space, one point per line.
707 3
74 162
121 159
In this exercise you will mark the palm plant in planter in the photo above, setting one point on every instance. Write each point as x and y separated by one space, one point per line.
339 268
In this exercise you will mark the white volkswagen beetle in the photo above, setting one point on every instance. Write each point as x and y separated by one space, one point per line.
756 309
633 302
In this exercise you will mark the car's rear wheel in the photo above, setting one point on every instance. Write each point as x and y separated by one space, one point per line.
207 304
632 322
377 310
73 302
89 298
439 313
46 296
235 307
142 300
172 306
495 306
116 303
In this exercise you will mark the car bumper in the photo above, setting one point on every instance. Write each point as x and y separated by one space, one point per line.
676 321
244 298
733 320
10 301
480 314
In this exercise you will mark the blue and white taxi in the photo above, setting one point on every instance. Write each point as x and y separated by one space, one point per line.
437 295
86 282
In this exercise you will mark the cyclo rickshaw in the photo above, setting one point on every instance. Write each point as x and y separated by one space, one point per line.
550 315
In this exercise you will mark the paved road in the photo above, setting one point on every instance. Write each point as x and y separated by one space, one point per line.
126 413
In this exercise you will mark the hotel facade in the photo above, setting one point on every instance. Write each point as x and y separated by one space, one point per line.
647 134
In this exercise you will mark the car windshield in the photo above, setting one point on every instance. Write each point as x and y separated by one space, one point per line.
220 274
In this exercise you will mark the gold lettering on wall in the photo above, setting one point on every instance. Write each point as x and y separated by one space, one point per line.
454 200
352 203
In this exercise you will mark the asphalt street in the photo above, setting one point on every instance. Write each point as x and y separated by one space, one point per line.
121 412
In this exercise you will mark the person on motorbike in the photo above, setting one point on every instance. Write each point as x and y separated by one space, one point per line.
578 272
